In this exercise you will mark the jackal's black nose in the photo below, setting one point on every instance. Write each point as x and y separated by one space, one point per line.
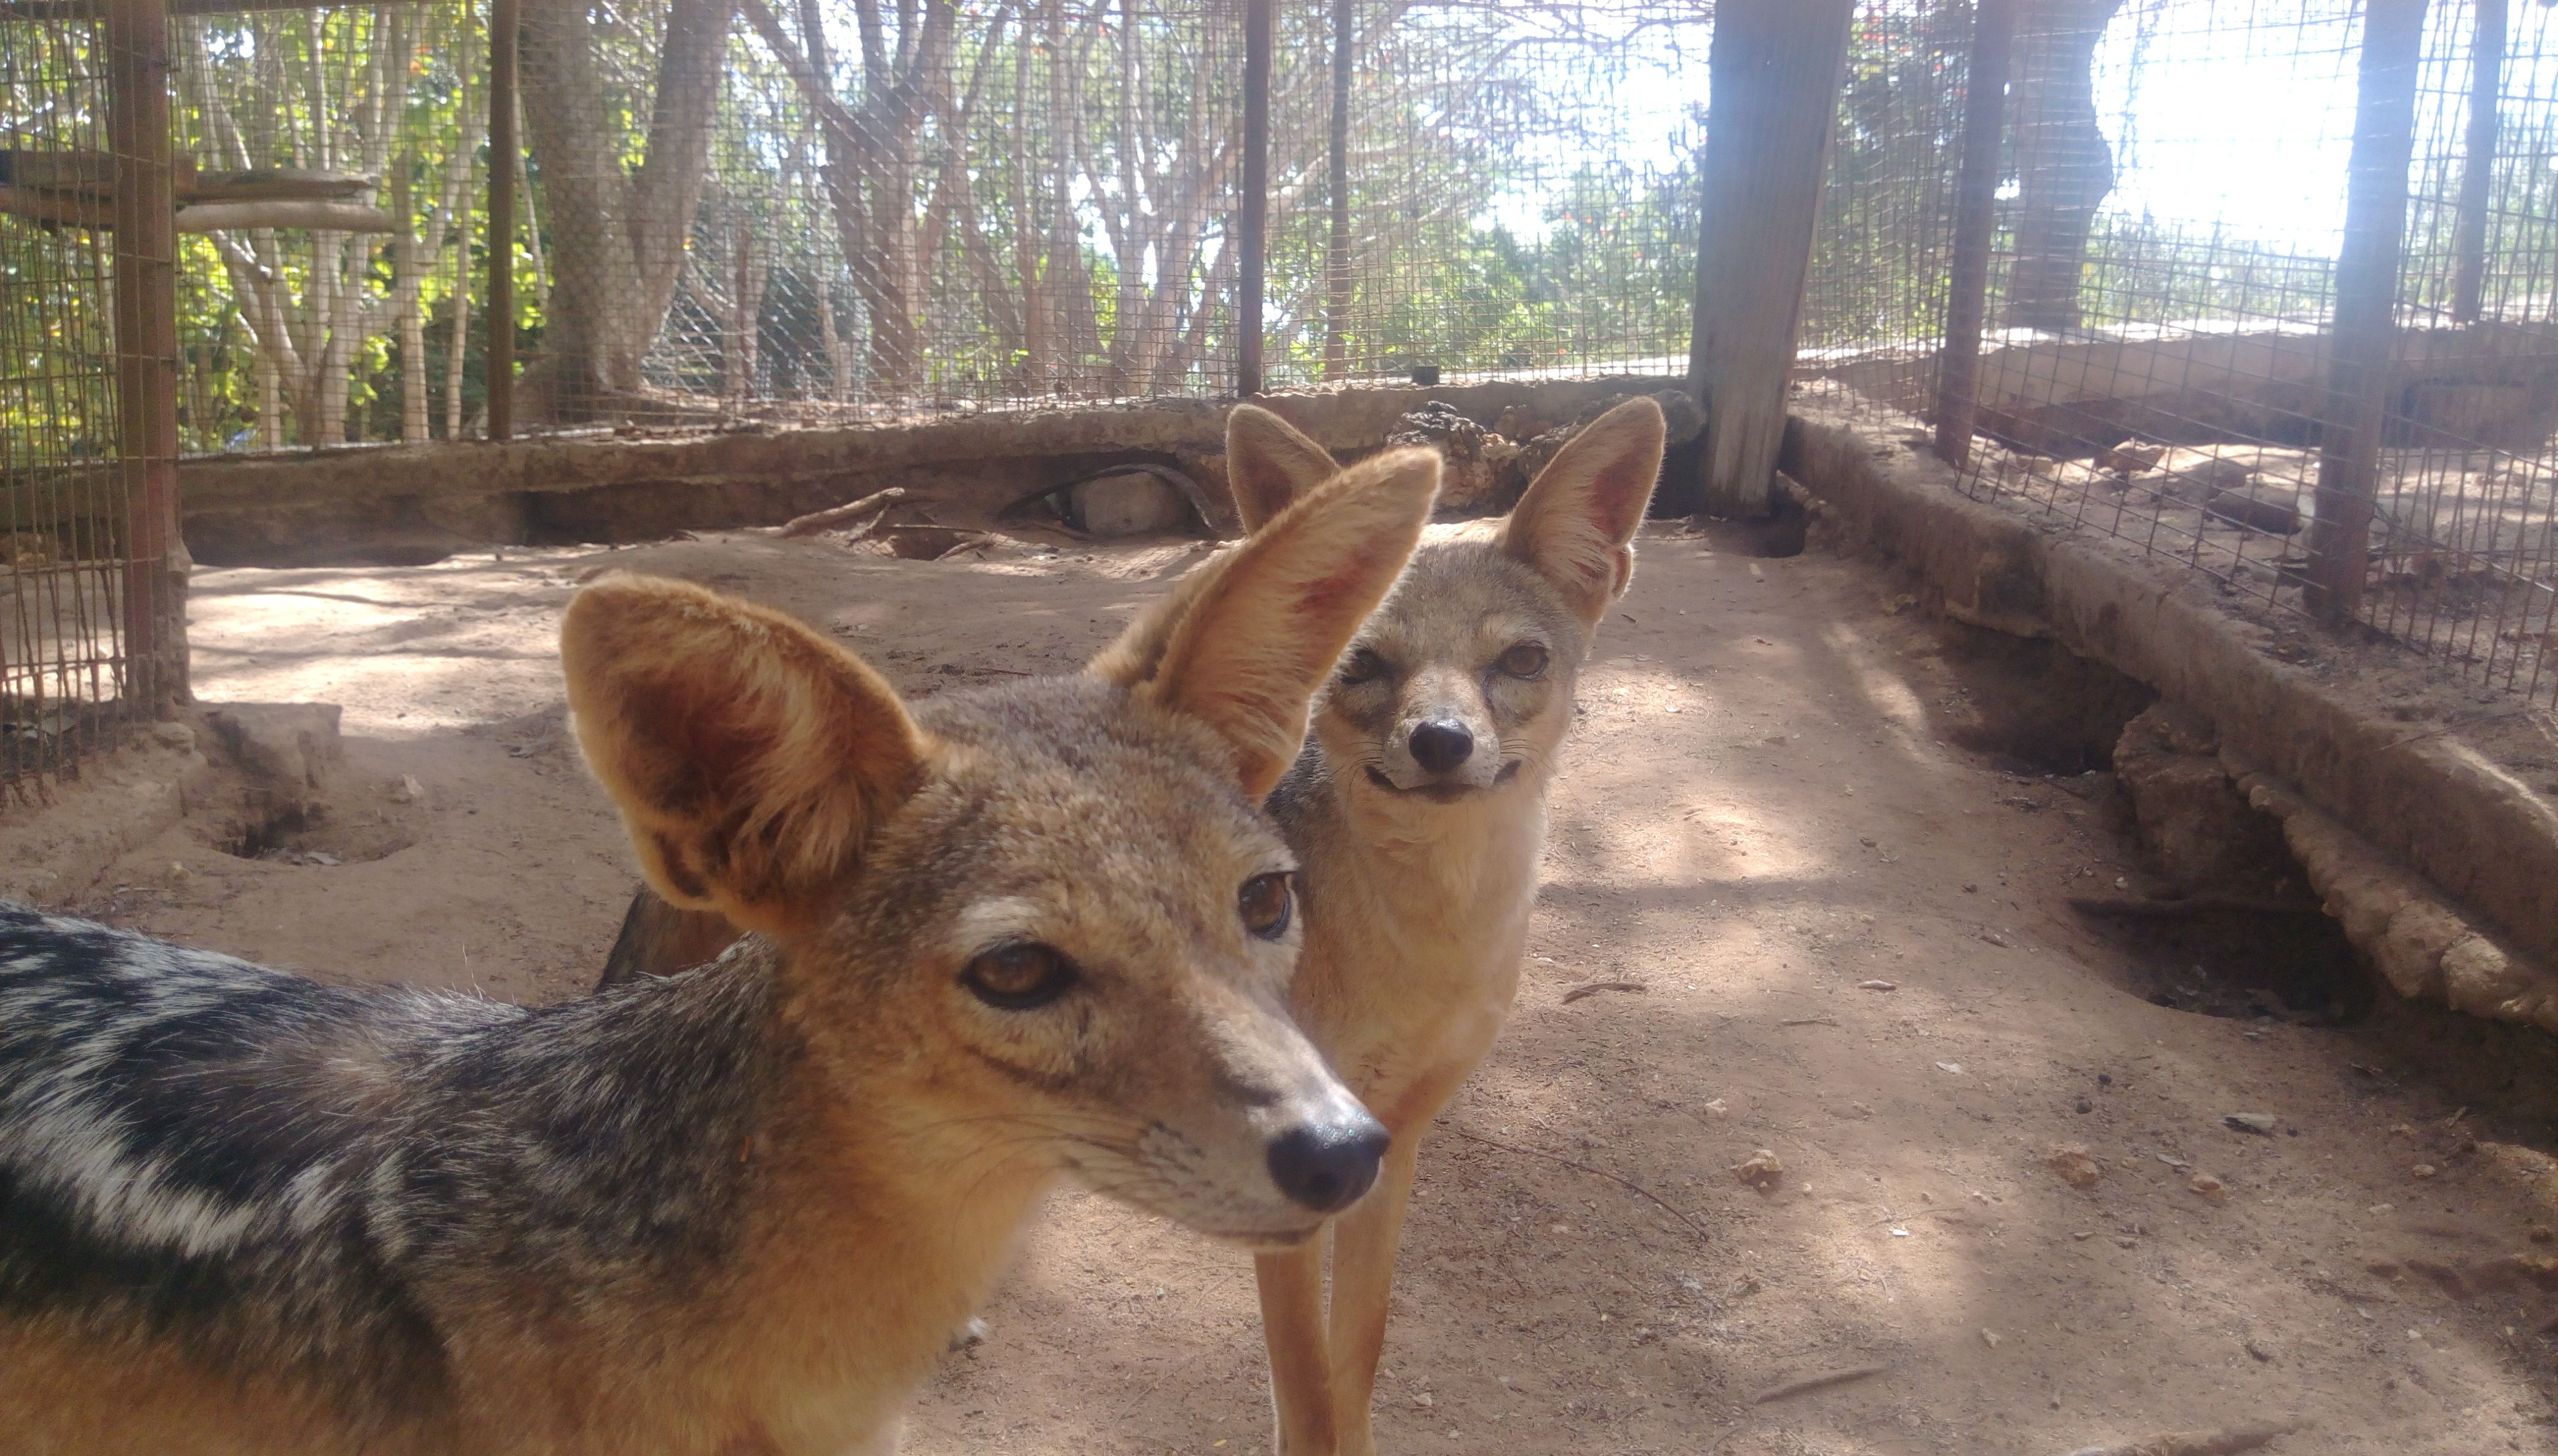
1441 744
1325 1166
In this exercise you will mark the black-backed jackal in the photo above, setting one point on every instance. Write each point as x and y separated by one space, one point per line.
1013 933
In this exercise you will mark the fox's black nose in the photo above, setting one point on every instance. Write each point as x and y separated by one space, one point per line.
1441 744
1325 1166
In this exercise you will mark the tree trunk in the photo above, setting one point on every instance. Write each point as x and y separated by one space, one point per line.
617 237
743 316
2063 167
839 355
404 287
271 403
1037 330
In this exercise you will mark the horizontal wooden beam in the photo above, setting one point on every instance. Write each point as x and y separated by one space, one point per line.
78 210
273 185
860 457
60 10
318 217
59 208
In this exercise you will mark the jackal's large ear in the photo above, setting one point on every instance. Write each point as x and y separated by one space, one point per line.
1270 463
1576 525
751 758
1244 641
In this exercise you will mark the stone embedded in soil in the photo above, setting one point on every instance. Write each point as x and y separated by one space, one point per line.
1130 503
288 749
1760 1170
2207 1184
2074 1166
2198 830
2261 1124
2273 512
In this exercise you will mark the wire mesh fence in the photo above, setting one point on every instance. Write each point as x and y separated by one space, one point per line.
734 210
2169 355
1517 196
839 211
332 197
70 576
1875 295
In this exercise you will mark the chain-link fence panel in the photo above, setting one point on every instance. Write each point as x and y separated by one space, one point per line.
2177 352
66 539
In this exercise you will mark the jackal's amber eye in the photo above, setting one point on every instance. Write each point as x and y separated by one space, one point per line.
1020 976
1523 659
1266 902
1363 666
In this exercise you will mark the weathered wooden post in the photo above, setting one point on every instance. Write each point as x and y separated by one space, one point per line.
1775 70
2363 337
1958 366
2478 159
506 20
1256 228
1336 245
145 300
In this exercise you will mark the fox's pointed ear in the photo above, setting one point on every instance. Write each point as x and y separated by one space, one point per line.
751 758
1576 525
1246 641
1270 463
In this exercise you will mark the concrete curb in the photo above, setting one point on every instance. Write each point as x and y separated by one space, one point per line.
2442 814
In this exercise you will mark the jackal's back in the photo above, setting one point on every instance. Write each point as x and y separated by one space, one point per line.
331 1189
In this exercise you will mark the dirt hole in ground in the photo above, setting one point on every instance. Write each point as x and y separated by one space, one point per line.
2243 962
2032 706
2252 945
2257 949
307 833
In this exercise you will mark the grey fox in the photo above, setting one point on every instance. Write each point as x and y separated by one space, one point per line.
1418 810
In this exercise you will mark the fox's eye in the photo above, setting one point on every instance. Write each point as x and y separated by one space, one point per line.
1523 659
1266 902
1363 666
1020 976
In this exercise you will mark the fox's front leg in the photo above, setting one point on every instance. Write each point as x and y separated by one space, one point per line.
1365 1240
1292 1325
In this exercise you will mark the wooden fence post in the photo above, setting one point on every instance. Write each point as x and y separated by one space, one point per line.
145 263
1256 228
1775 67
1336 245
2478 160
2362 342
505 21
1958 365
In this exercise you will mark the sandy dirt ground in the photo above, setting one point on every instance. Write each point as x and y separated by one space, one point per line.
1789 827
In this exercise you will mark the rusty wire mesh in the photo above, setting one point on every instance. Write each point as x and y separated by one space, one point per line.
1521 186
2158 362
1874 300
737 210
889 211
332 216
63 683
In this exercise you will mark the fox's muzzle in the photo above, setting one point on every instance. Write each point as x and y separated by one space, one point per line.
1325 1165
